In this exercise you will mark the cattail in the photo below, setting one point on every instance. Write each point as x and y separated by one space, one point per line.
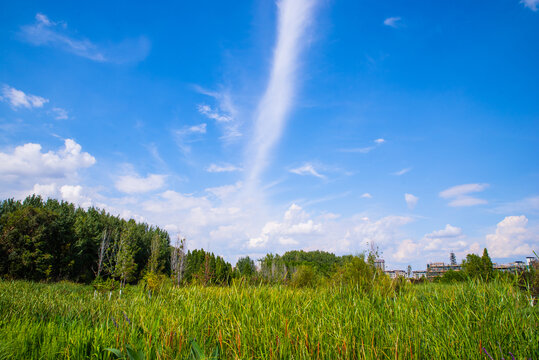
126 318
114 322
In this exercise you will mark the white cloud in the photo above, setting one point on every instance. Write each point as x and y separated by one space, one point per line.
307 169
411 200
448 232
185 135
531 4
366 196
529 204
213 114
225 191
407 250
293 20
59 113
295 224
512 238
17 98
392 21
195 129
132 184
45 190
214 168
402 172
227 116
364 150
382 232
460 194
74 194
28 160
45 32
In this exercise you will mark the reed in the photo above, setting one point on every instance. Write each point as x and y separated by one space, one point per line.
427 321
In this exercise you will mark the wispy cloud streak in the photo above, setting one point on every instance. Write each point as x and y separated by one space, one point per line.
294 18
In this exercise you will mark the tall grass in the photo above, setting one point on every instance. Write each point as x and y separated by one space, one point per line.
428 321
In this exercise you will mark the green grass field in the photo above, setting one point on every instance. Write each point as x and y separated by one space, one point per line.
427 321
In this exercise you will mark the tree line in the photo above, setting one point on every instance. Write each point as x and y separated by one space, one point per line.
55 240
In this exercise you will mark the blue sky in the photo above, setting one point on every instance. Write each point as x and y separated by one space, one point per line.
255 127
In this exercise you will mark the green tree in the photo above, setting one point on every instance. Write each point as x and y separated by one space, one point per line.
246 267
452 258
487 268
472 266
125 257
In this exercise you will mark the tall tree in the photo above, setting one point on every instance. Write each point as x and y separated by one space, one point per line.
125 257
452 258
177 260
487 268
245 266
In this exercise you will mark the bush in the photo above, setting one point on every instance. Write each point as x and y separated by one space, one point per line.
452 276
304 276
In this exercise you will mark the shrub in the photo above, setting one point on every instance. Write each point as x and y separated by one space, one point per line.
304 276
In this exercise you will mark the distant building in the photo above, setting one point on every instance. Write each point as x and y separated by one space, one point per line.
439 268
513 267
530 260
380 264
393 274
418 274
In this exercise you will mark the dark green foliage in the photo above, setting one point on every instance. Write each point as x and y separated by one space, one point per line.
304 276
476 267
206 269
486 263
54 240
246 267
452 276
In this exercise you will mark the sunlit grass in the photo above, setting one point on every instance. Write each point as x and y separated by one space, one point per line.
430 321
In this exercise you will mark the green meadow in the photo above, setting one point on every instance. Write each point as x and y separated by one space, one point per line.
419 321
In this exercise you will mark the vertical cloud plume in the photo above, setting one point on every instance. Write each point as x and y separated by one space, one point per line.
294 18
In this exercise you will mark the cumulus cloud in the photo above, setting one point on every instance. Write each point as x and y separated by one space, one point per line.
74 194
295 223
448 232
392 21
293 20
406 250
307 169
531 4
512 238
379 141
29 160
411 200
18 98
366 196
214 168
381 232
132 184
46 32
71 193
459 195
